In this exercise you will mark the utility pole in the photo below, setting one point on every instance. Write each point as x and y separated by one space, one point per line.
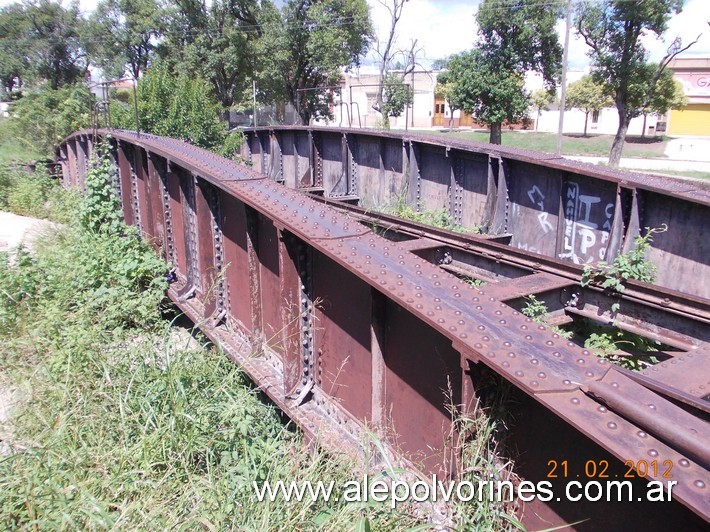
254 88
563 89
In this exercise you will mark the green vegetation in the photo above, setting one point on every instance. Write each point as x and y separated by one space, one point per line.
42 42
44 116
629 265
13 151
476 283
605 341
36 195
124 35
623 348
588 95
613 30
478 438
304 49
396 96
534 308
489 92
537 311
179 107
488 81
436 218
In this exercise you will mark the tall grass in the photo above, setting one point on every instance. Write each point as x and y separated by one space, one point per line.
35 194
12 148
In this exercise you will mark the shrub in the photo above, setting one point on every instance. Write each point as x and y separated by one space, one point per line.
35 194
44 116
179 107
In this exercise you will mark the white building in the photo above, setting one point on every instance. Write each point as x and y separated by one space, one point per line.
355 100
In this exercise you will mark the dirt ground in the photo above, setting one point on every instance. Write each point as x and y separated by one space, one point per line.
15 229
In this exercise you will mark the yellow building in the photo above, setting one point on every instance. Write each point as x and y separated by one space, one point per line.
694 119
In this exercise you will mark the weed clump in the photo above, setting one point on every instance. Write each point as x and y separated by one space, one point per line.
629 265
436 218
35 194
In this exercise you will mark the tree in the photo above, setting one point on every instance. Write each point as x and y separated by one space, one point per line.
397 95
44 116
388 54
491 94
587 95
540 101
613 30
56 44
440 64
521 35
125 35
42 41
179 107
668 94
305 50
14 57
515 36
216 41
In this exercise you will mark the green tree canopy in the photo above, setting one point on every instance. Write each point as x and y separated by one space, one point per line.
45 116
125 33
491 94
613 30
397 95
179 107
305 53
540 101
216 41
666 94
515 36
587 95
42 41
521 35
14 56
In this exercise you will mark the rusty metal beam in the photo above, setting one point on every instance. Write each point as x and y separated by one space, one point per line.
344 328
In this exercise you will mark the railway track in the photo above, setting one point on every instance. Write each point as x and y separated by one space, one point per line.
347 318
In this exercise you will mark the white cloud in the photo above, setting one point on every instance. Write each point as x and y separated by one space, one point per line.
447 27
692 22
441 28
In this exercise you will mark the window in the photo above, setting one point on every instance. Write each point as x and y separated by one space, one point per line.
595 117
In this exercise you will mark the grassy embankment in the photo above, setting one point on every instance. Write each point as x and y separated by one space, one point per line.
119 421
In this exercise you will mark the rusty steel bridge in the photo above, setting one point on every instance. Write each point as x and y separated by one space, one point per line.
352 320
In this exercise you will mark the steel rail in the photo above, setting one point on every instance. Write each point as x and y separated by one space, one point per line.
694 307
296 291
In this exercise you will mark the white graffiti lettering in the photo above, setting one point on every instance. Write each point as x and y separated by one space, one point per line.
583 241
536 192
544 223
